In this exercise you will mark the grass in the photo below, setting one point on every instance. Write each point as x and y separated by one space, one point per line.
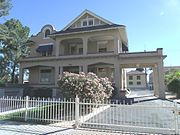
49 113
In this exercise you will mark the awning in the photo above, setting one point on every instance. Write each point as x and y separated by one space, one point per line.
44 48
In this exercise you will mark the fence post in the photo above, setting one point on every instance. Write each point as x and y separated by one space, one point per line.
26 108
176 118
76 112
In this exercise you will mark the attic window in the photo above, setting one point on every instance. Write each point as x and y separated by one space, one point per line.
47 32
87 22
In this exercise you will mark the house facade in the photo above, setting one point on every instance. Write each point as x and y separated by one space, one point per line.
136 79
89 43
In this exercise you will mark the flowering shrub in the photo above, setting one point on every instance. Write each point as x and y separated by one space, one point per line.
86 86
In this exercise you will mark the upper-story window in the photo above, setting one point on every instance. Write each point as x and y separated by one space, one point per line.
130 77
87 22
47 32
138 77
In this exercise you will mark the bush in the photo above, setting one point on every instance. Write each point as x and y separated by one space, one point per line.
174 86
86 86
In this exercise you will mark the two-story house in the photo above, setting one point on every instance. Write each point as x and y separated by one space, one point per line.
89 43
136 80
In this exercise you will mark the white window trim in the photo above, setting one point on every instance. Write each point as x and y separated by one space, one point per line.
47 28
46 44
44 68
87 20
100 43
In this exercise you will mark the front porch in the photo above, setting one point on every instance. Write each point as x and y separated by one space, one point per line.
112 67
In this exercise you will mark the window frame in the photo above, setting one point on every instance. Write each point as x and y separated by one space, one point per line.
138 77
130 82
130 77
138 83
41 75
87 20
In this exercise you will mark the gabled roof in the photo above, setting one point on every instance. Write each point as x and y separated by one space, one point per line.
83 13
87 29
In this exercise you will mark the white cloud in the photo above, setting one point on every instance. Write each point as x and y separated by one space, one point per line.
161 13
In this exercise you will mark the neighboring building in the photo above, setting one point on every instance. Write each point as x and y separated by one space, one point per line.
89 43
167 68
136 79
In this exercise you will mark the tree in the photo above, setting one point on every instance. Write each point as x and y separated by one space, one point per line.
5 6
174 86
171 75
86 86
172 81
13 38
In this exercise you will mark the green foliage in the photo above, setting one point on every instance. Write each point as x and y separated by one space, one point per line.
86 86
5 6
13 36
172 81
171 75
174 86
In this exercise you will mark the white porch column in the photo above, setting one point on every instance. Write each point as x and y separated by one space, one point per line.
21 74
80 68
155 81
85 45
56 74
122 79
117 45
125 79
160 69
60 70
58 42
85 68
117 75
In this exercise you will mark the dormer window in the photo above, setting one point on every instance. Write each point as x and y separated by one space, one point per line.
91 22
84 23
87 22
47 32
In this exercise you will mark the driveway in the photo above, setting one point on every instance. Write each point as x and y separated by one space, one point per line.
21 128
135 116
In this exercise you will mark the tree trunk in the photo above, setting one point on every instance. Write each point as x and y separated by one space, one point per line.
13 74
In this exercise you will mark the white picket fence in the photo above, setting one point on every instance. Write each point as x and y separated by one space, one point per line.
139 117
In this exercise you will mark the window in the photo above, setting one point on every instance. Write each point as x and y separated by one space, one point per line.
91 22
80 50
73 50
49 53
45 75
101 69
130 77
130 83
47 32
84 23
138 77
87 22
43 53
102 50
138 83
46 53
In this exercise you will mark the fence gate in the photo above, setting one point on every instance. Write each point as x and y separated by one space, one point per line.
147 117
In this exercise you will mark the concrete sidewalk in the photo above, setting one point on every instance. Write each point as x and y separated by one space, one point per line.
21 128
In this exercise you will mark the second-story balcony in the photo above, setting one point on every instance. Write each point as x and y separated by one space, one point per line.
97 45
91 46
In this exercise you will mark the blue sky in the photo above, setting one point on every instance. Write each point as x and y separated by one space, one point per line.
150 24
